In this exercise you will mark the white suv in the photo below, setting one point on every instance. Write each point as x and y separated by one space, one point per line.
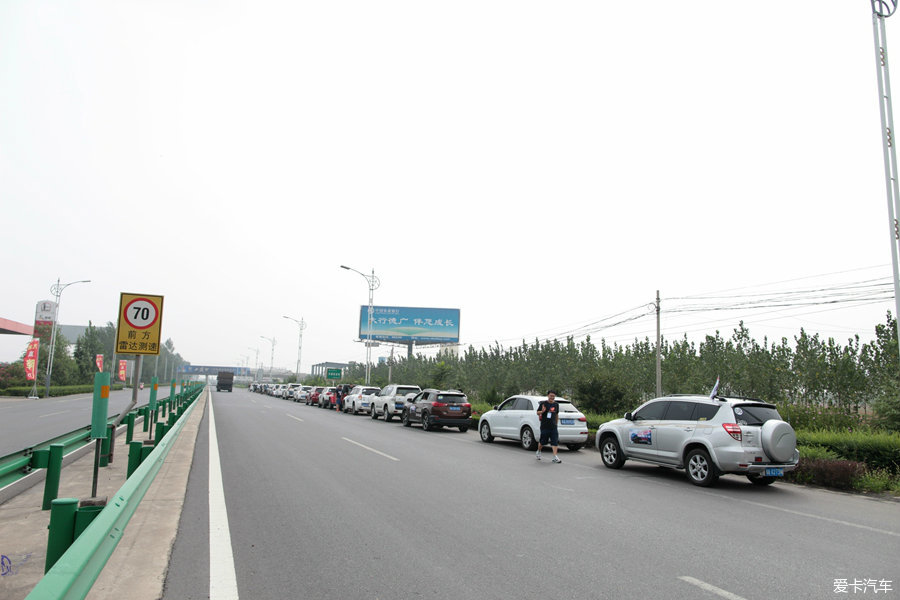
391 400
706 437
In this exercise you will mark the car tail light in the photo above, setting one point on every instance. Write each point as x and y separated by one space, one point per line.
438 404
582 419
733 429
467 405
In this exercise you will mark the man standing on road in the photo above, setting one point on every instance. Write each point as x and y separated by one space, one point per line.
548 413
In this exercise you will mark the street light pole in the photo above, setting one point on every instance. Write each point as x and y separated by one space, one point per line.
374 283
57 291
271 340
256 365
301 324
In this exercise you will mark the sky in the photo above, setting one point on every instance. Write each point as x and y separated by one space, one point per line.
545 167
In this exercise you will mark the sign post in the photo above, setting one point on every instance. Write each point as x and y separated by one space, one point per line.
98 420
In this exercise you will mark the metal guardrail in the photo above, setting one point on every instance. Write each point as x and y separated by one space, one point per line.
76 571
17 465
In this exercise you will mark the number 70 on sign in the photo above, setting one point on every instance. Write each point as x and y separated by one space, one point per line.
140 324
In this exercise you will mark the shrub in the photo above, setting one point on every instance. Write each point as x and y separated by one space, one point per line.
876 480
878 450
840 474
817 452
813 417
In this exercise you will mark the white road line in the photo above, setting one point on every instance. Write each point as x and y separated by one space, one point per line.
371 449
222 577
710 588
53 413
293 417
812 516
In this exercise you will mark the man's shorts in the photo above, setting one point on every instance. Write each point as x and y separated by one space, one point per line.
550 437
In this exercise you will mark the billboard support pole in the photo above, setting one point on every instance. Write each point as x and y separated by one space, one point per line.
374 284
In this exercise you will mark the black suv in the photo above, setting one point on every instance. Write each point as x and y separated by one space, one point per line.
437 408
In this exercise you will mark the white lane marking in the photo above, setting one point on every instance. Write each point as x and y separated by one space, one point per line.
710 588
53 413
812 516
293 417
222 577
371 449
252 400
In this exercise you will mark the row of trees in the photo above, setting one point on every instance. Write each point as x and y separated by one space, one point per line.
78 368
810 371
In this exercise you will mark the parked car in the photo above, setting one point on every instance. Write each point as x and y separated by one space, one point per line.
358 399
327 398
302 393
438 408
288 392
707 437
516 419
313 398
391 400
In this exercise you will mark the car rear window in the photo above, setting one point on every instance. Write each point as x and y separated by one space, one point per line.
754 414
566 406
402 391
367 391
451 398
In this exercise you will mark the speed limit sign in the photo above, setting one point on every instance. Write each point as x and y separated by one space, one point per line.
140 324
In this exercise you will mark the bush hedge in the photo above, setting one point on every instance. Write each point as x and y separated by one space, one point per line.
840 474
878 450
59 390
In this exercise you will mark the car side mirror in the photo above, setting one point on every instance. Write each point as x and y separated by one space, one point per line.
495 408
629 416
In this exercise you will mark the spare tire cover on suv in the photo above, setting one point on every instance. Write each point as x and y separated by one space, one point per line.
778 440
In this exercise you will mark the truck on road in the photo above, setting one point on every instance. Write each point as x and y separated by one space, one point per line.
225 381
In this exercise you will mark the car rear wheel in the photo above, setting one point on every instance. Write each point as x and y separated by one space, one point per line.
527 439
426 426
374 414
761 479
404 418
611 454
700 469
485 432
463 428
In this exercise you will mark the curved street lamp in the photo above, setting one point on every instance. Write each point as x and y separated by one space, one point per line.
374 284
57 291
271 340
302 325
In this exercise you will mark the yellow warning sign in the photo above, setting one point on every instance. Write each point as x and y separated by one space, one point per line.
140 324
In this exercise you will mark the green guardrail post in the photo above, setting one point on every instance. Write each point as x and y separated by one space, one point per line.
129 432
147 449
134 456
104 452
160 430
86 513
146 415
62 529
172 418
54 469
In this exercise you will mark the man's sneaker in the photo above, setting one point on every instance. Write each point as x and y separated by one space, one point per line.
556 459
537 455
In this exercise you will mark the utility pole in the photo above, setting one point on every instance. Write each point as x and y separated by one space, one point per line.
658 351
302 325
881 9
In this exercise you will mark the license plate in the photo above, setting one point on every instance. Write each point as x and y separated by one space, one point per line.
773 472
365 405
567 421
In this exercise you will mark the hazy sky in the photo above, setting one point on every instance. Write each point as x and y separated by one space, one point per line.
541 166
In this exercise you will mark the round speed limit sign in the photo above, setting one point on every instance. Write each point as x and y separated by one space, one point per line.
141 313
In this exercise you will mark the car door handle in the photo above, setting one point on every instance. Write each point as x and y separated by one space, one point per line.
688 428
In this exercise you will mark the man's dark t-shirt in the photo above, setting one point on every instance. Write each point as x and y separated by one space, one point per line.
550 418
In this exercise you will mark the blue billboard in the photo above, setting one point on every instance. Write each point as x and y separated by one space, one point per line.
409 324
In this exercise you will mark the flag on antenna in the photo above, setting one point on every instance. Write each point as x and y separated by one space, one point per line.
715 389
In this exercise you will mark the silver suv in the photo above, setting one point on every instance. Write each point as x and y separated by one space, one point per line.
706 437
391 400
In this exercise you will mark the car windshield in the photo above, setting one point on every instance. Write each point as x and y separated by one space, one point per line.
451 398
755 414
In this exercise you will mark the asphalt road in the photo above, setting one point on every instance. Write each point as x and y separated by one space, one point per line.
25 423
326 505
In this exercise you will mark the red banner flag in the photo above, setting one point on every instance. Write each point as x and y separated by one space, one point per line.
99 361
123 366
31 359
